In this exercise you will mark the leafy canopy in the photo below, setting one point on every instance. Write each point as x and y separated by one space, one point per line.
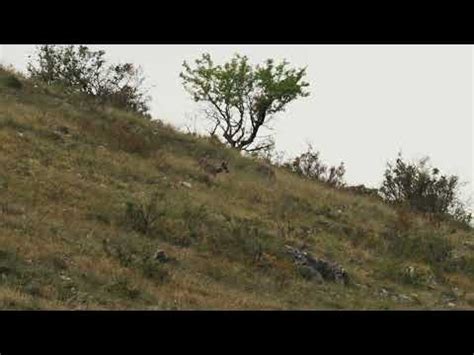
241 98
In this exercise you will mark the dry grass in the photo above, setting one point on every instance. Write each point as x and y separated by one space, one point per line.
68 169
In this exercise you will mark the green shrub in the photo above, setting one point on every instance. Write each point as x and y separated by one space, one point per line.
133 251
10 81
144 215
423 245
152 269
81 70
121 288
423 189
242 239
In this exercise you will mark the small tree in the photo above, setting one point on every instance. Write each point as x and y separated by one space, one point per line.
423 189
240 98
80 69
309 165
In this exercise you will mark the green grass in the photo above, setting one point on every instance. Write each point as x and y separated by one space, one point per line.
71 236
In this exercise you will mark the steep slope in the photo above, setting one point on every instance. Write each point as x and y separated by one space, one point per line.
73 176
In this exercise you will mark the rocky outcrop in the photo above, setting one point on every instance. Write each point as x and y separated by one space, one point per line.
162 257
317 269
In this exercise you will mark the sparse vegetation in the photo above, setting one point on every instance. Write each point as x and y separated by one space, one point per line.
68 239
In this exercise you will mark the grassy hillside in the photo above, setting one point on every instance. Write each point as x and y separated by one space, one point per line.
70 171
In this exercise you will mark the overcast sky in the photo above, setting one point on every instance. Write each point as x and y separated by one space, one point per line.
366 104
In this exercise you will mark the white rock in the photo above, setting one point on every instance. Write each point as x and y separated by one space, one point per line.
186 184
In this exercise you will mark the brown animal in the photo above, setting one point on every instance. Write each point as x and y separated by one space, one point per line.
212 168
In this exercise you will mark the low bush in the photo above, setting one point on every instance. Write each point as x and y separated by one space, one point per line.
423 189
143 215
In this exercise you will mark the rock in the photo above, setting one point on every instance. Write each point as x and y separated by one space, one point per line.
186 184
311 274
410 271
63 130
451 305
64 277
313 266
161 256
457 292
404 298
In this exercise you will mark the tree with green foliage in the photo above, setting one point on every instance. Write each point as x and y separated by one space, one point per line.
79 69
423 189
241 98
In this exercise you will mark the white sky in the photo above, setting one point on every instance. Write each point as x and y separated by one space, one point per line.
367 101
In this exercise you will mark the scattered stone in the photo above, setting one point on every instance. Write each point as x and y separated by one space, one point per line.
310 273
63 130
457 292
186 184
312 266
65 278
161 256
404 298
